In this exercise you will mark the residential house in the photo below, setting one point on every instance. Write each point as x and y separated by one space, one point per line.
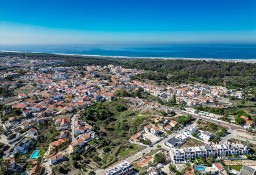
64 134
37 170
22 96
151 129
173 123
25 125
168 127
58 142
136 137
80 142
147 128
88 128
80 130
155 130
191 130
20 106
206 136
64 123
219 168
173 142
248 122
56 159
32 133
23 147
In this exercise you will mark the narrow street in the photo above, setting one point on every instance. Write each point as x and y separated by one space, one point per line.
73 128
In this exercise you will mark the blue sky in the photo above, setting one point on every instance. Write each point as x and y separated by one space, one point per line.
127 21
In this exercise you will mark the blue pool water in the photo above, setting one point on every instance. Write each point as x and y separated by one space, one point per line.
35 154
200 168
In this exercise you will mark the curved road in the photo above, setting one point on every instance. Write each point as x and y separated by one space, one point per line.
218 122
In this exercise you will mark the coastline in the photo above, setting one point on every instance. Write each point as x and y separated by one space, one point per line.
245 60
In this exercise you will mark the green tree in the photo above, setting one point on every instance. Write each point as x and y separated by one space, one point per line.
138 92
239 121
120 107
122 93
92 173
3 167
159 158
173 101
97 112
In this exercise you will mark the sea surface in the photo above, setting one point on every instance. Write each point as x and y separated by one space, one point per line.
195 51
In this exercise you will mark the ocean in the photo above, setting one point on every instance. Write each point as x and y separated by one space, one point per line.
195 51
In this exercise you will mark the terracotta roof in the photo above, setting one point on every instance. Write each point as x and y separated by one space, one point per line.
168 126
30 100
245 118
85 136
58 156
88 126
33 130
219 166
20 106
59 142
249 122
148 126
173 122
156 128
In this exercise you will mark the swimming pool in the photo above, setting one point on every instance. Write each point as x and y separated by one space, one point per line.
35 154
200 168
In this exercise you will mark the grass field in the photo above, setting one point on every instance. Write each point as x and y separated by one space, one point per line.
25 89
130 151
236 167
192 142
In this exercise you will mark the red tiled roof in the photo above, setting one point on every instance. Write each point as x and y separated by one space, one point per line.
20 106
219 166
173 122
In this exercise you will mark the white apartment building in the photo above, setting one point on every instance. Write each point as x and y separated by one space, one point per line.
183 155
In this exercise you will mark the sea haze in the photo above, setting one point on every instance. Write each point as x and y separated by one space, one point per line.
210 51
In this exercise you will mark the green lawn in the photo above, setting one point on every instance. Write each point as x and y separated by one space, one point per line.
236 167
92 142
130 151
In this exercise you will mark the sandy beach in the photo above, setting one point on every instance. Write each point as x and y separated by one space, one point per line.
131 57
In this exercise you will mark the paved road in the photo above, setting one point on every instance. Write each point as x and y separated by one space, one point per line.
148 149
73 128
218 122
239 136
227 137
231 127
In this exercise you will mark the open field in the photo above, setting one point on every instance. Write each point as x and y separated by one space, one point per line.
192 142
